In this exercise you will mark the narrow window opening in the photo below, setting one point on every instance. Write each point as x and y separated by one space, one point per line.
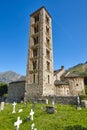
47 41
48 79
34 78
36 40
36 18
34 65
47 54
47 30
48 66
36 29
35 53
47 19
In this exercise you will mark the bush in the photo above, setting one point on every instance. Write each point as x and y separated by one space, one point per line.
83 97
86 89
3 89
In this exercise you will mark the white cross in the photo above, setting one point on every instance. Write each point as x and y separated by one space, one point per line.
20 110
18 122
14 104
31 114
32 127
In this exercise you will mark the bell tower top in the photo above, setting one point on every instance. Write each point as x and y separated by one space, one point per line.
39 10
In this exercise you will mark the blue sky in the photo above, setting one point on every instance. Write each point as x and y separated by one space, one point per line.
69 24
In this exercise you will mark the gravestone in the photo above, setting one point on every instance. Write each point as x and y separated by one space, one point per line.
46 101
31 114
32 127
50 109
17 123
14 104
53 103
84 103
43 108
20 110
2 106
78 103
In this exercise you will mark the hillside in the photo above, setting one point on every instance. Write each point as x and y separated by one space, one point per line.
10 76
79 69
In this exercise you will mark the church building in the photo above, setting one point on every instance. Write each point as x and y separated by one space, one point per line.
41 79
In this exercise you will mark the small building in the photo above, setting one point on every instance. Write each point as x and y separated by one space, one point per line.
68 84
61 88
16 91
76 84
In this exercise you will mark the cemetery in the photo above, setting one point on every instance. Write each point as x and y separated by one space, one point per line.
34 116
66 111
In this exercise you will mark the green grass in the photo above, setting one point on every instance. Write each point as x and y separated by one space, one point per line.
66 118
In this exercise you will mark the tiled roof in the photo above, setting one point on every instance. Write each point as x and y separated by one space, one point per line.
72 75
57 82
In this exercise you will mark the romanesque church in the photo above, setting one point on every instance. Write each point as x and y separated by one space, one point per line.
41 79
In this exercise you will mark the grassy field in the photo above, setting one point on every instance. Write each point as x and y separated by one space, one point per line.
66 118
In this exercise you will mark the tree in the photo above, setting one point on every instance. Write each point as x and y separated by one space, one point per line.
3 89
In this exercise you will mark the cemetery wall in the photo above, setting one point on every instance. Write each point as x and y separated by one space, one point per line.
72 100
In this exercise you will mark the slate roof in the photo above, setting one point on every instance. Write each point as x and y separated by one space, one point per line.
72 75
58 82
57 71
39 10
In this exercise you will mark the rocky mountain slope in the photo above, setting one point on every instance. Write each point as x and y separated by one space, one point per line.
10 76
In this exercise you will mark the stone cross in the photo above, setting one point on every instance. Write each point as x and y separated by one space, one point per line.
31 114
20 110
78 100
78 103
2 106
14 104
32 127
18 122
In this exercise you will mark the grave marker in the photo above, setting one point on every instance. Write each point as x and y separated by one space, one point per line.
78 103
17 123
32 127
53 103
2 106
46 101
20 110
31 114
14 104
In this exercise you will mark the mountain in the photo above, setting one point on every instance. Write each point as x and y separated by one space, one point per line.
10 76
79 69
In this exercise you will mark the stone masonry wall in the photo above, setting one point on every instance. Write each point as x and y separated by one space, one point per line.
72 100
16 91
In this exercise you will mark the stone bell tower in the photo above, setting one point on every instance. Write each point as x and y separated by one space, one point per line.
39 76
